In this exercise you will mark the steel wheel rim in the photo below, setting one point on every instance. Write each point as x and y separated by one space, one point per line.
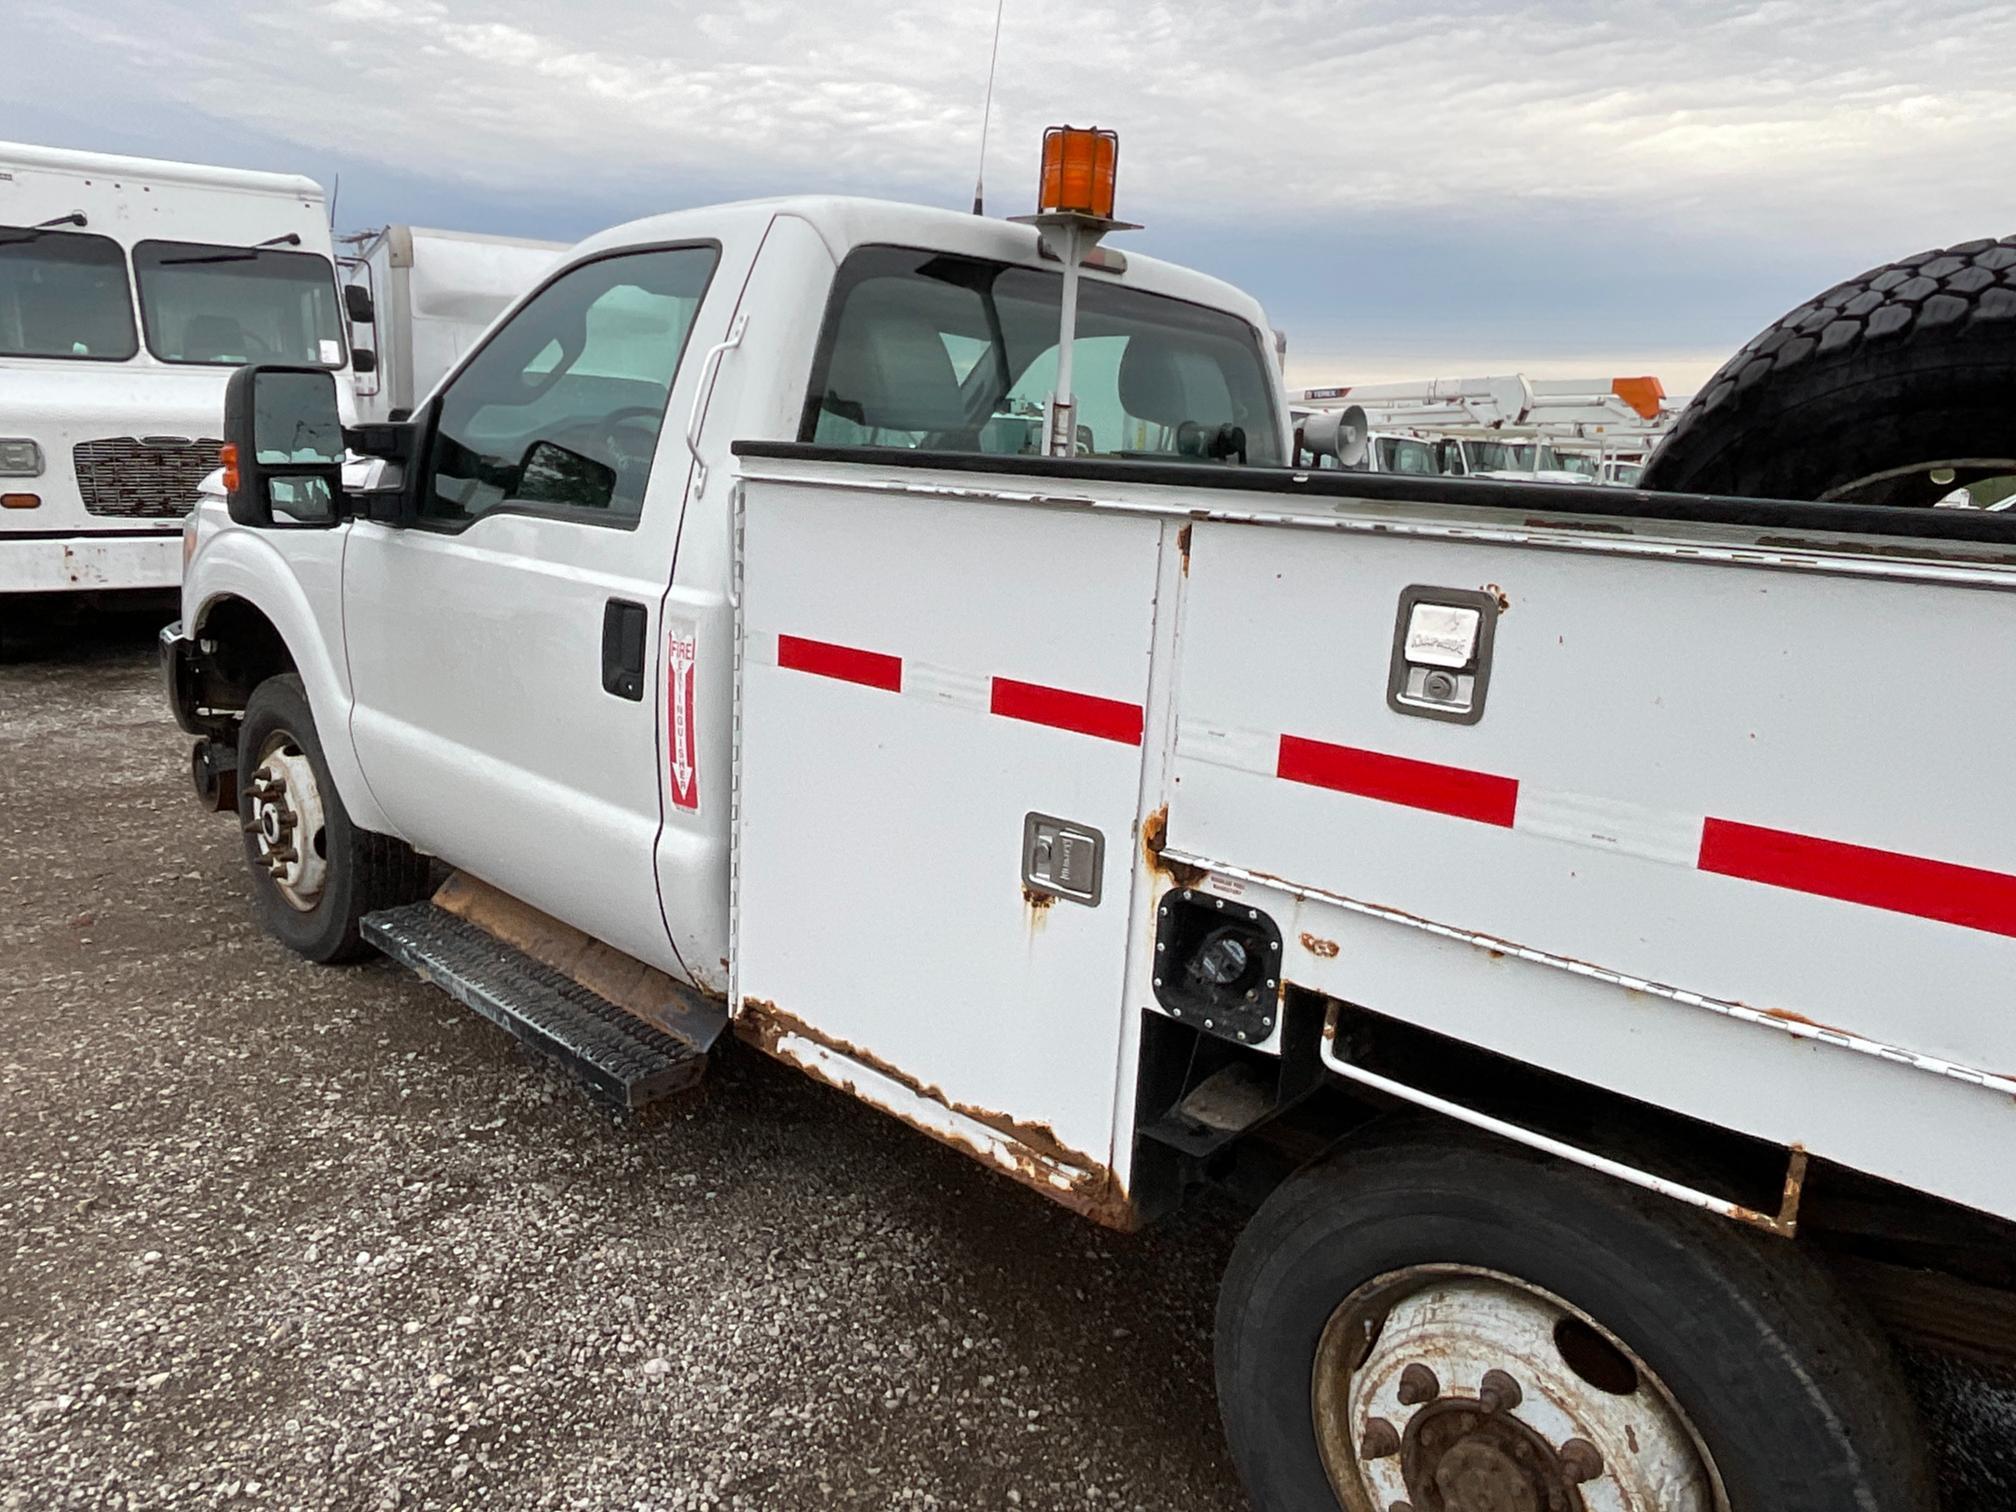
1931 482
1391 1437
288 825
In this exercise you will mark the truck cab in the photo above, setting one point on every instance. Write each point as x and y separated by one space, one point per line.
129 290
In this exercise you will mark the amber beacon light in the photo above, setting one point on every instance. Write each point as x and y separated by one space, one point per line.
1080 164
1074 209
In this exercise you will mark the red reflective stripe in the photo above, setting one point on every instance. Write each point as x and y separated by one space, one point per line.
872 669
1963 895
1108 718
1456 791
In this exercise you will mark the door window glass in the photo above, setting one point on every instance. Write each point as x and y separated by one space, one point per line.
559 413
933 351
64 295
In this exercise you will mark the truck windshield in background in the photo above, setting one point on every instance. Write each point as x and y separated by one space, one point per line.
232 305
64 295
946 353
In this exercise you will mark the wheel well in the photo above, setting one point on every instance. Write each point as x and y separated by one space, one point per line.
1919 1260
241 649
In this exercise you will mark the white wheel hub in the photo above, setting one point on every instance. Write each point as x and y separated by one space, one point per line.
1446 1389
288 827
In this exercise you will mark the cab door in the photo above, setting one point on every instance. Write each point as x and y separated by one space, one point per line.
505 649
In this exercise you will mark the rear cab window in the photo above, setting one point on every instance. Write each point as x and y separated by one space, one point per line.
64 294
938 352
226 306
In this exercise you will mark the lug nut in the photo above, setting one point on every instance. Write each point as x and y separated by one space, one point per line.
1418 1385
1580 1461
1381 1441
1499 1393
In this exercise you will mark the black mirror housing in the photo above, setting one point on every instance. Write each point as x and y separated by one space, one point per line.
357 304
363 360
283 447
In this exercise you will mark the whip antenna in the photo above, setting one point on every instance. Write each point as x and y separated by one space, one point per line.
987 112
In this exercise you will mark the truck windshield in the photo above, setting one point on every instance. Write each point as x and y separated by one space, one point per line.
945 353
64 295
1401 454
231 305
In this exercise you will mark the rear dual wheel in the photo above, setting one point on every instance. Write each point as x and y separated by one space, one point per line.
1431 1326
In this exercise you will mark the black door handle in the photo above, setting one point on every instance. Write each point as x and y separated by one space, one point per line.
623 625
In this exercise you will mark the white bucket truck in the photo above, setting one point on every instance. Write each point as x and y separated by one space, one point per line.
129 290
1576 917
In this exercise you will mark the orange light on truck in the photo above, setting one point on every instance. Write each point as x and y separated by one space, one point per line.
1079 167
228 455
20 501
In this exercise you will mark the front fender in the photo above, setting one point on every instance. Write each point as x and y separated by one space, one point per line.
295 579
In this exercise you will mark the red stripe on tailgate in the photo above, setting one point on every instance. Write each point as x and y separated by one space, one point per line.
1963 895
1108 718
871 669
1456 791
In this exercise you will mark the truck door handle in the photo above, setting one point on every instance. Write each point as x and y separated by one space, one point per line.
623 626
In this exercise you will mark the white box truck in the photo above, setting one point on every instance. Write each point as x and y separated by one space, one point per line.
1578 918
419 298
129 290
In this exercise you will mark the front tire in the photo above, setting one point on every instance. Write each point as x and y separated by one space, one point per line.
314 873
1671 1360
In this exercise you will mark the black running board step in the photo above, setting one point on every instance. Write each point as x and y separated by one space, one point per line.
617 1054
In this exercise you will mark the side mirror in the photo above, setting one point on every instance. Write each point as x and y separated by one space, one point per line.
363 360
283 446
357 304
552 474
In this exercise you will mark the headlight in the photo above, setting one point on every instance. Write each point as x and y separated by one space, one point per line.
20 458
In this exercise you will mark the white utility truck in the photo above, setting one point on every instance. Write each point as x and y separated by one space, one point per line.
417 299
1576 916
129 288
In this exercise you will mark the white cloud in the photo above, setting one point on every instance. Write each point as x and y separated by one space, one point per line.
1842 131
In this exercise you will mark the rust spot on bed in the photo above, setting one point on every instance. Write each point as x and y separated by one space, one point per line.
1504 600
1183 546
1031 1152
1154 836
1316 945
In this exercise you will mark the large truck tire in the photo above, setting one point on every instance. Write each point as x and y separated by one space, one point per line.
1431 1322
314 873
1892 388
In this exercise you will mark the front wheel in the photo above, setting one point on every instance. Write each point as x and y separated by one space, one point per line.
1444 1326
314 873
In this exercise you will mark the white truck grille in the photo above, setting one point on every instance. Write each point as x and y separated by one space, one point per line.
142 478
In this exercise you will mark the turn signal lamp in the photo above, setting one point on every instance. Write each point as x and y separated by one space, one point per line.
228 455
20 501
1079 166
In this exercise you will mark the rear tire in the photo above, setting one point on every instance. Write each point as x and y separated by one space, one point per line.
1785 1390
287 803
1858 394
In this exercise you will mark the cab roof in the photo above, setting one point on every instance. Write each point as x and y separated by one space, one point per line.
846 222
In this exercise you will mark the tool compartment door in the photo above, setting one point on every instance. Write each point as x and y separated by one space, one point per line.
1776 789
919 676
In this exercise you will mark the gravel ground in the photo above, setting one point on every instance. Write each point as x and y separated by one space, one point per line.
279 1235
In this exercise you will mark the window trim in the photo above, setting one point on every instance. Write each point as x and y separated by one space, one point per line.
565 514
829 328
133 329
146 328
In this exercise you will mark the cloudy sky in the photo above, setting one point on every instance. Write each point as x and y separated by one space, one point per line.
1414 187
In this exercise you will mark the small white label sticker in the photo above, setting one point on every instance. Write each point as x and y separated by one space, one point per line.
332 352
1441 635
